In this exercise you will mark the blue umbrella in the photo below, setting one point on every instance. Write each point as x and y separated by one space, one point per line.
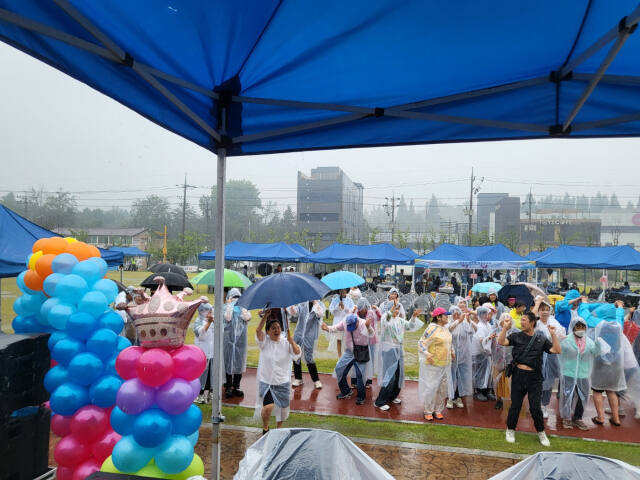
342 279
484 287
281 290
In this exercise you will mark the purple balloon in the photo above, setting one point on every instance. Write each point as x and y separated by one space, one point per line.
195 385
134 397
175 396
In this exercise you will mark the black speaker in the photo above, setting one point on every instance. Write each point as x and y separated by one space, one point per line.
24 444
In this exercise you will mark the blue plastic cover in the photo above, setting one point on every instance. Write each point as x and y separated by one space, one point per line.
378 254
258 252
480 257
17 236
367 56
568 256
130 251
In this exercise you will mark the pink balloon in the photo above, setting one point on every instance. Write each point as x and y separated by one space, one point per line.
89 423
85 469
189 362
127 360
155 367
71 451
64 473
61 425
103 446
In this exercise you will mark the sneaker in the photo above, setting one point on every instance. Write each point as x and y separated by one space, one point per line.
510 436
480 397
544 441
200 398
207 397
228 393
397 401
545 411
438 416
384 408
458 403
491 396
342 396
449 404
296 383
360 402
568 424
580 424
499 405
368 384
317 384
237 393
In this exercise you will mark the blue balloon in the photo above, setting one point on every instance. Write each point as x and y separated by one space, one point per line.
20 282
19 308
54 338
129 457
71 288
55 377
103 343
193 438
110 365
122 422
51 282
152 427
26 324
81 325
63 263
94 303
102 265
111 320
59 314
32 303
107 287
174 455
43 316
123 343
88 270
187 422
65 350
68 398
85 368
103 391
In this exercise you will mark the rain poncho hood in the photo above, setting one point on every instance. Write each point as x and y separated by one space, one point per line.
563 309
363 304
234 292
572 295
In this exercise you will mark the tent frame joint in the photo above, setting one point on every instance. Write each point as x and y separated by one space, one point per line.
128 60
556 76
558 130
378 112
624 28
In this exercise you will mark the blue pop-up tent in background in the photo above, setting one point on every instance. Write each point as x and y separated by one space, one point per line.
265 76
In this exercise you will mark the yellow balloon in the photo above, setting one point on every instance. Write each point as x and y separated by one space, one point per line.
108 466
151 470
34 258
196 468
70 239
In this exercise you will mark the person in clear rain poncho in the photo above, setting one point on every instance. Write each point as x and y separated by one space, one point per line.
576 365
550 363
309 320
481 351
373 314
435 352
393 302
341 305
460 379
235 343
567 308
501 356
608 371
390 353
204 340
493 299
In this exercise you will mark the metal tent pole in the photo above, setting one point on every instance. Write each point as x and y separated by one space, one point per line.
218 365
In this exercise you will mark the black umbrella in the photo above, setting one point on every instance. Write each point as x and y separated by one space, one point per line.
167 267
521 292
173 281
121 286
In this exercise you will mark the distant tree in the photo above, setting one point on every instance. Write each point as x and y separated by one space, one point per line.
373 235
630 205
152 212
613 201
59 210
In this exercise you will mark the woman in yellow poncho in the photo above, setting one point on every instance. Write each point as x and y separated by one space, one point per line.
435 352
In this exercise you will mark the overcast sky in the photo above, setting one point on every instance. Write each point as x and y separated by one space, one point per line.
59 134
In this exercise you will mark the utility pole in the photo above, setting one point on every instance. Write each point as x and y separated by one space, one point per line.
390 209
472 191
26 205
184 204
529 202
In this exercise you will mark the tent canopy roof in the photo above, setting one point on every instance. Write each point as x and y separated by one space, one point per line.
130 251
378 254
622 257
258 252
298 76
477 257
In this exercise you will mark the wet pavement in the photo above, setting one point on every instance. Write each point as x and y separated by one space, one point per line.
475 413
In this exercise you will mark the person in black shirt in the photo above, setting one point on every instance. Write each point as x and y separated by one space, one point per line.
527 372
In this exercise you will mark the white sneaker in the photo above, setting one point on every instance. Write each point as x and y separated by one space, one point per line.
449 404
317 384
511 436
296 383
199 399
545 411
544 441
397 401
384 408
458 403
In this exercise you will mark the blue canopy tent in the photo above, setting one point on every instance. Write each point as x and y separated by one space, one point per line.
130 251
622 257
378 254
301 249
490 257
409 253
258 252
265 76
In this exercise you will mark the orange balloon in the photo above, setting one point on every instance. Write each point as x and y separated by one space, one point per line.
94 251
55 245
33 280
43 265
39 245
80 250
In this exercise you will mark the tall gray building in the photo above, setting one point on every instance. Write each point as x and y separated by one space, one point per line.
330 204
498 215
